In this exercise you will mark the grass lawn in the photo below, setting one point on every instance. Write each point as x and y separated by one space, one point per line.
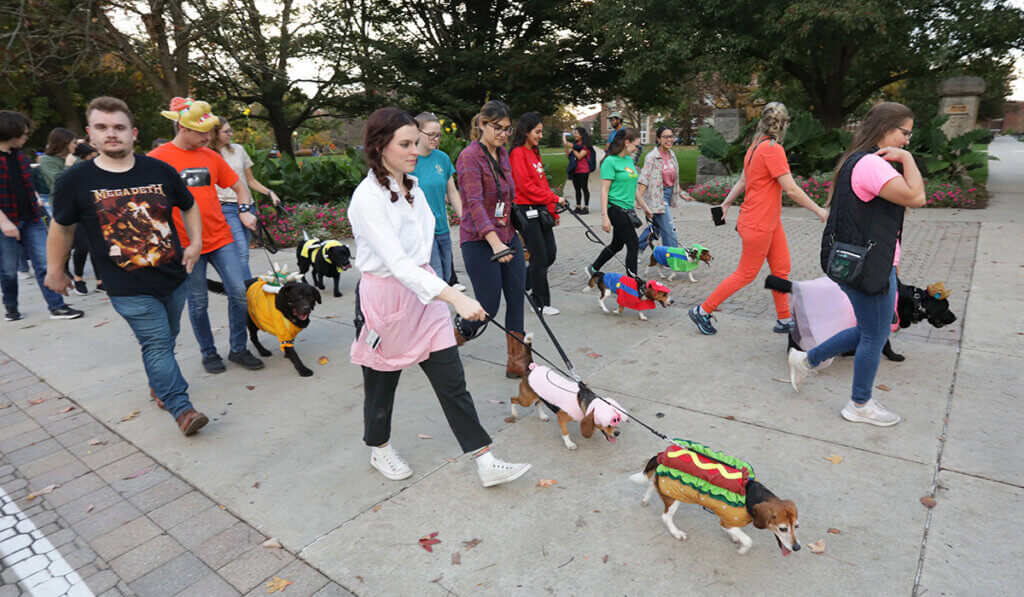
555 162
980 175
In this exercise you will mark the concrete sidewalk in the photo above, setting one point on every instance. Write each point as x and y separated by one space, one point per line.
283 455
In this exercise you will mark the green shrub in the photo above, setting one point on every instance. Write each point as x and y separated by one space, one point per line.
328 180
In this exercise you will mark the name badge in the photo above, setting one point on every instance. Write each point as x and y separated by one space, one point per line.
531 213
499 210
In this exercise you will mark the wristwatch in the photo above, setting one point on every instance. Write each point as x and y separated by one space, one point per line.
244 208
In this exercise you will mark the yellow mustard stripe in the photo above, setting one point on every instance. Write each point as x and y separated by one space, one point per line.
709 466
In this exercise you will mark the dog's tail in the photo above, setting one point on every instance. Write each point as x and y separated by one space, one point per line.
218 287
644 476
778 284
593 281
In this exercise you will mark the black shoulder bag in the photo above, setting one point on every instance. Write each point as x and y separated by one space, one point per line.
846 261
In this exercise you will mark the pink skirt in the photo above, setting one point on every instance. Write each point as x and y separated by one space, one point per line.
409 330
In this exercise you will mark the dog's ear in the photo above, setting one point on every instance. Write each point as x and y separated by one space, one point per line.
587 425
316 297
763 514
789 508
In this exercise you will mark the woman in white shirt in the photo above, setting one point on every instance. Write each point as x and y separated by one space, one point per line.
398 321
239 160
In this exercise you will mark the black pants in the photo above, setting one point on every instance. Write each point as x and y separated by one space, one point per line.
540 242
491 280
444 370
80 252
623 234
580 182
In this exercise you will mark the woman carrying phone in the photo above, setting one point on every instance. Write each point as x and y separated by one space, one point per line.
491 250
869 198
582 149
400 318
618 201
765 176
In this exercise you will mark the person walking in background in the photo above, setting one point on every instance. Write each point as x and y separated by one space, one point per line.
616 128
21 220
659 185
400 320
618 202
203 170
582 149
868 199
240 162
434 175
538 204
146 269
491 248
765 176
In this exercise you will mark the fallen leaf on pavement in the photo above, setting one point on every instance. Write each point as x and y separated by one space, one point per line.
277 584
605 559
833 531
428 541
449 460
66 409
422 436
884 388
780 380
493 401
256 485
471 544
96 442
100 324
360 578
730 418
573 273
3 406
90 507
928 501
130 415
593 355
510 419
137 474
42 491
659 415
323 360
250 387
817 547
272 544
456 559
37 401
378 507
546 483
833 458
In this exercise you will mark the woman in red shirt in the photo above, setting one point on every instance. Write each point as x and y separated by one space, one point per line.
534 194
765 175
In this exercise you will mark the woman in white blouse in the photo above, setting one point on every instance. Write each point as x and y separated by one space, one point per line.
398 321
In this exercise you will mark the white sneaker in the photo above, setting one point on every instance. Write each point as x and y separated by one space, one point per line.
871 412
25 275
495 471
389 463
459 287
549 310
798 367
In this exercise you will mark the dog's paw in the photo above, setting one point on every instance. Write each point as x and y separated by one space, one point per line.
569 444
692 279
642 316
305 372
542 415
679 535
743 548
263 352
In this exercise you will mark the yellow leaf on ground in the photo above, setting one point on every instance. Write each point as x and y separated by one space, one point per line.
272 544
833 458
817 547
42 491
323 360
130 415
546 483
277 584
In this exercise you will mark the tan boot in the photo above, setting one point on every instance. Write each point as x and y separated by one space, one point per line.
516 365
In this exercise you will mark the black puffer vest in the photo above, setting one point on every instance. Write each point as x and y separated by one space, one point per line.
877 223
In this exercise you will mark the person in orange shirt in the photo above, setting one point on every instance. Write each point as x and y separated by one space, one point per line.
765 175
203 170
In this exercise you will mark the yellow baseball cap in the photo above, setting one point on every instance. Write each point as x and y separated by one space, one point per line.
191 114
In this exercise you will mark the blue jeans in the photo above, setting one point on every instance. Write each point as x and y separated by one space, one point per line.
241 234
664 224
225 261
874 317
492 280
441 256
156 320
33 241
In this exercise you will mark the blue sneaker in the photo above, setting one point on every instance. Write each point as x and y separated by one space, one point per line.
703 321
783 328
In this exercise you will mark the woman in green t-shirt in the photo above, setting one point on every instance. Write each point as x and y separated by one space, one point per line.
619 199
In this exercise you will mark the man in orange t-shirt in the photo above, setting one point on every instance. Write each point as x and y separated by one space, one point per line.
203 170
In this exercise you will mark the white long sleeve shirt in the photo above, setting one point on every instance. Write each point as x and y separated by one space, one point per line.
394 239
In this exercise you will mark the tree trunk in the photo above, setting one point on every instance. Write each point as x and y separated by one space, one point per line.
279 124
64 105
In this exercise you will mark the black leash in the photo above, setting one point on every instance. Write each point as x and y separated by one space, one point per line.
592 236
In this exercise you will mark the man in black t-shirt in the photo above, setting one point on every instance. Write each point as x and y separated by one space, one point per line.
21 220
124 203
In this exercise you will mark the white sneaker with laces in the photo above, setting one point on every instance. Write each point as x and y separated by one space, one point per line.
549 310
798 368
389 463
494 471
872 412
25 275
459 287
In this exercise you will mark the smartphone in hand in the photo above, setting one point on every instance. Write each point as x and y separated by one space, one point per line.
716 215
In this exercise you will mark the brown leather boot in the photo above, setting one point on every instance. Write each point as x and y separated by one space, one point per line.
190 421
516 365
159 402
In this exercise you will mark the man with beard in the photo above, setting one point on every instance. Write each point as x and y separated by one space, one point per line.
124 202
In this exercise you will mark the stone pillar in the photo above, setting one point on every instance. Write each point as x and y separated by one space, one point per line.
960 97
729 122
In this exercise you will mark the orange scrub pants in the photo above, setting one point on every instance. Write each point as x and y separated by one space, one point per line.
758 246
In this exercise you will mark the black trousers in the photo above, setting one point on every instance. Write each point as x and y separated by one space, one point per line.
623 234
80 252
540 242
580 183
444 370
492 280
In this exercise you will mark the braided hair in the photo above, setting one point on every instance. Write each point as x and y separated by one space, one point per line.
380 130
773 124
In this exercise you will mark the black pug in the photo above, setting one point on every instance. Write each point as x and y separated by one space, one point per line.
912 305
283 314
326 258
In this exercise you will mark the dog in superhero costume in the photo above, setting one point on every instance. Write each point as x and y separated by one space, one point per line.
630 292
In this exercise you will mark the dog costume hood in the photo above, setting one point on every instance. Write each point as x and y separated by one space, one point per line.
560 391
626 293
191 114
678 259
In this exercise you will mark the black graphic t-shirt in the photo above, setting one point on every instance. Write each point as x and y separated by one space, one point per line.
128 223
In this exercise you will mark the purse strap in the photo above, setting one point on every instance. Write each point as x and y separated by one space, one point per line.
495 170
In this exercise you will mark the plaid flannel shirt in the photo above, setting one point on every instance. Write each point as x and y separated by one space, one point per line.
8 201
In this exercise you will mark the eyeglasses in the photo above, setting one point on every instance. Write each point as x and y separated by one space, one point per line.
228 131
905 132
665 137
498 130
431 136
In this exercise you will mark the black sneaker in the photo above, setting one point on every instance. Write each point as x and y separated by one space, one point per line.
591 271
703 321
81 288
783 328
66 312
214 364
99 287
12 314
585 211
246 359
